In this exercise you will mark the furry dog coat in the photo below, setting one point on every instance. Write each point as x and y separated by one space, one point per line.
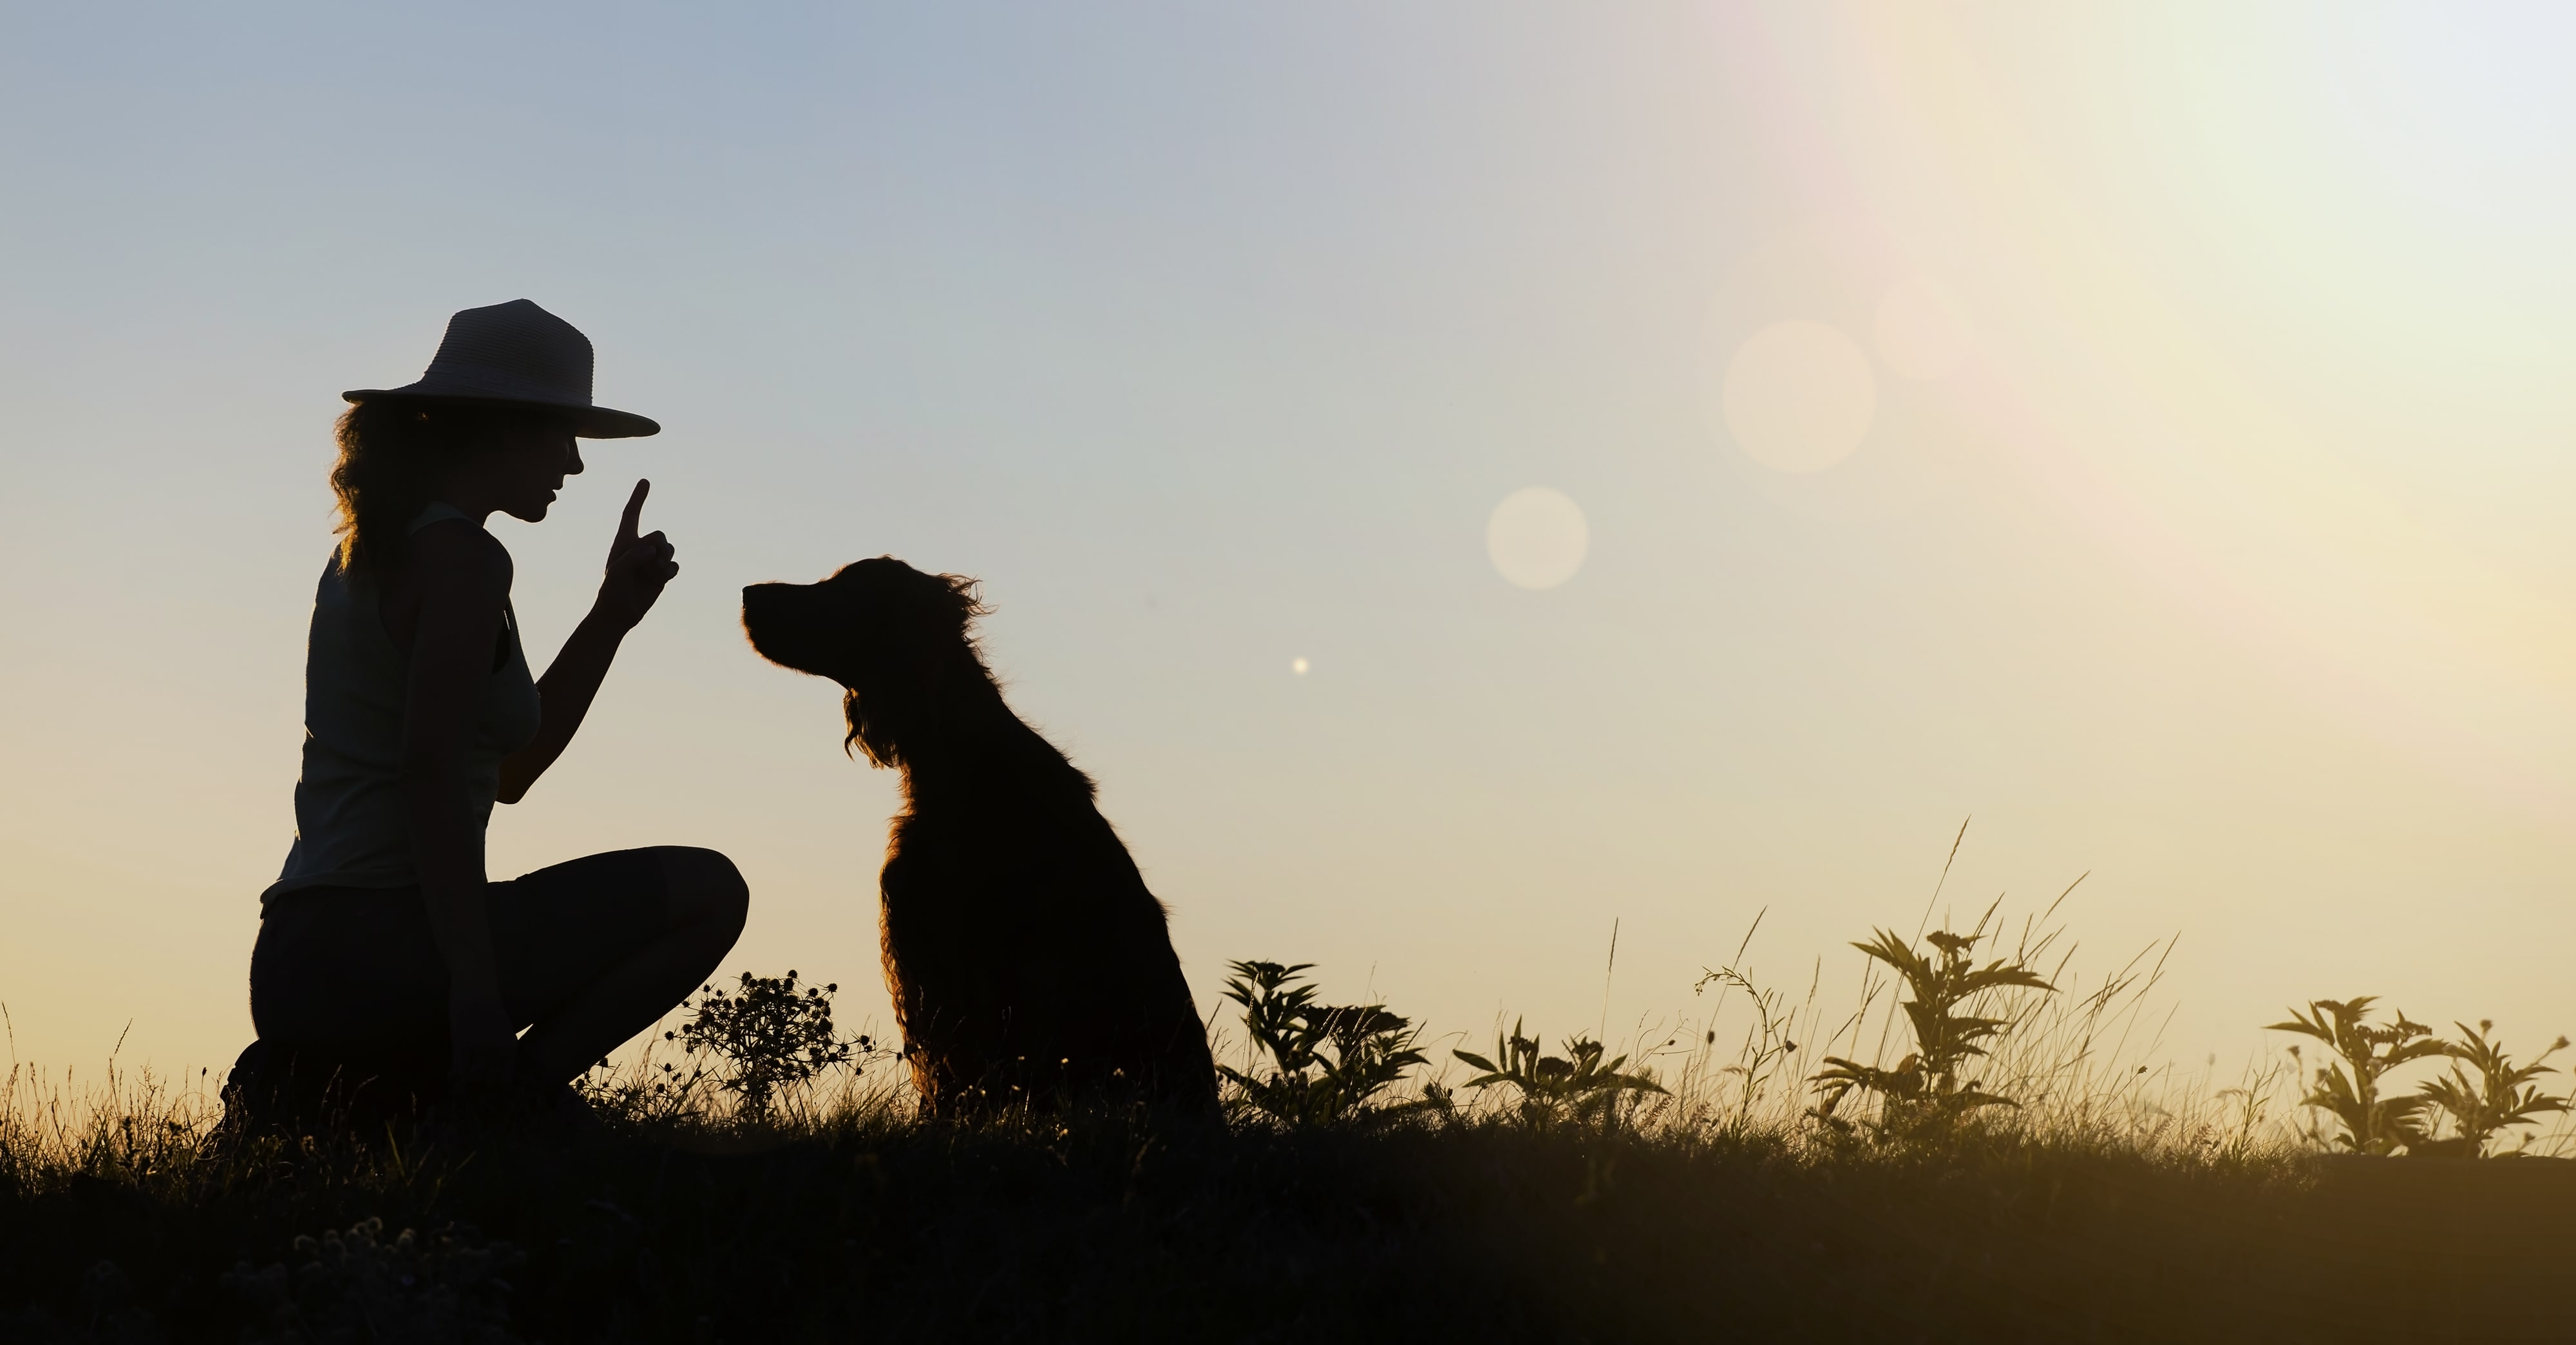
1025 956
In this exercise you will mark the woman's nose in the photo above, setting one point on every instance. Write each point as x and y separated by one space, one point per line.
572 458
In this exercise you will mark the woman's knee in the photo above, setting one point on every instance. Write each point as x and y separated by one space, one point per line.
705 886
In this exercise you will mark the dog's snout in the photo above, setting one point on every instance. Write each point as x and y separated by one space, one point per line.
779 620
759 608
760 601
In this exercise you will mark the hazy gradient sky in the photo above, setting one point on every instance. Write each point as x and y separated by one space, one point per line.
2146 428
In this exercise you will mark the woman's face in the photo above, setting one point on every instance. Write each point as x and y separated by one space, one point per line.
525 465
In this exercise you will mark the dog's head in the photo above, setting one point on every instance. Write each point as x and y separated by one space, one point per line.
897 641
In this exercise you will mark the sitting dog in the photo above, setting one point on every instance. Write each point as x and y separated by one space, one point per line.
1026 958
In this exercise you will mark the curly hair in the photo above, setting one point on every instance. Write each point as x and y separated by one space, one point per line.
390 452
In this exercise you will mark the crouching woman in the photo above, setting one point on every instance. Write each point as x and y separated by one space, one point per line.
391 974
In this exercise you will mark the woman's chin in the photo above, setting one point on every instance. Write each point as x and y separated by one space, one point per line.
530 513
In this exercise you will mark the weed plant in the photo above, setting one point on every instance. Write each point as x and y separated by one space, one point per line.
1321 1063
2349 1087
2503 1096
767 1037
2352 1087
1925 1088
1577 1086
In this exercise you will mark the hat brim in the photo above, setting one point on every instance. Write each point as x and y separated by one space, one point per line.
589 422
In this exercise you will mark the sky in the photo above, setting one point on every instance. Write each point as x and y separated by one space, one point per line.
1459 475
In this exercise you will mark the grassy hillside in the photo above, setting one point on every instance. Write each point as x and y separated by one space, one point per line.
860 1224
1976 1152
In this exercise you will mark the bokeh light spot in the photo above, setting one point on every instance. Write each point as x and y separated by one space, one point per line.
1799 396
1298 666
1537 538
1920 331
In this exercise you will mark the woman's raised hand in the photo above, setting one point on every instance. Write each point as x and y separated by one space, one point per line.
638 567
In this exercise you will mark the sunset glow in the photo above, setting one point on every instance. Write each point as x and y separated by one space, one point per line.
1687 458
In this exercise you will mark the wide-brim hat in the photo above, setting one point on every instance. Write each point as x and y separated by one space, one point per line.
516 354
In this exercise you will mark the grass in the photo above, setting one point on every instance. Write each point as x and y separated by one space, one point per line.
857 1222
1696 1186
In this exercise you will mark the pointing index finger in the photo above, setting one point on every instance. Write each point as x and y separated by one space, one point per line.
634 511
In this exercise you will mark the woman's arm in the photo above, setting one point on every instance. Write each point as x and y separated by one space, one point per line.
462 577
638 567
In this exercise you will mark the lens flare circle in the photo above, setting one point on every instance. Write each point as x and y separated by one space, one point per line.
1537 538
1799 396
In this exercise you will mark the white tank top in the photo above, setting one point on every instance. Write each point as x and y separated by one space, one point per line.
350 827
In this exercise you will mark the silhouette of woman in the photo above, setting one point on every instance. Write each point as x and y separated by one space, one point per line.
390 973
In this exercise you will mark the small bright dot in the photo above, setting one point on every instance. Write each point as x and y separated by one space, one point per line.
1298 666
1537 537
1799 396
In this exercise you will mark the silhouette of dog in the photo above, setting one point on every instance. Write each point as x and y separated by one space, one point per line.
1026 958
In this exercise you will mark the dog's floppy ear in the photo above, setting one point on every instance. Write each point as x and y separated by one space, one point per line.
929 618
945 605
867 735
936 615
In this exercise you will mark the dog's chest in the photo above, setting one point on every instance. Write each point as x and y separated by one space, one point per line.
939 872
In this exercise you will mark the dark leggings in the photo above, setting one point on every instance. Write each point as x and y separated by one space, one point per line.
355 971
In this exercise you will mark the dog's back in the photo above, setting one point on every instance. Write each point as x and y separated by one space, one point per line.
1026 957
1024 952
